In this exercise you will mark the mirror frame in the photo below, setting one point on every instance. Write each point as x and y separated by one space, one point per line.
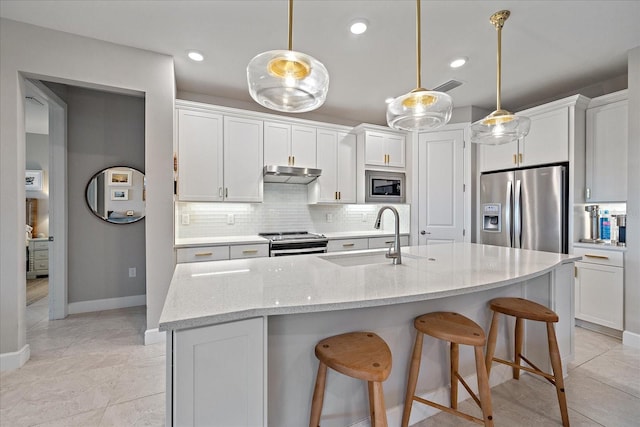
105 172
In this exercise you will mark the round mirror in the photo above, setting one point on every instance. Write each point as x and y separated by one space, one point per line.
117 195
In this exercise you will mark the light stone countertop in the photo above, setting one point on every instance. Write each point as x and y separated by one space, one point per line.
359 234
603 246
219 241
208 293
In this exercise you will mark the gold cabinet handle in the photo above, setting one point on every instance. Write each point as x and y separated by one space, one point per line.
520 157
390 242
226 192
348 245
575 271
250 251
204 254
515 159
335 195
596 256
293 160
175 162
289 160
339 195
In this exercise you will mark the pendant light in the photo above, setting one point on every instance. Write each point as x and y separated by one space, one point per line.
288 81
420 109
501 126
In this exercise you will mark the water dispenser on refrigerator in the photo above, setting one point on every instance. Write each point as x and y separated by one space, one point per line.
492 217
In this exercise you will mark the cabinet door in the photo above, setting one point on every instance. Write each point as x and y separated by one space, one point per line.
243 159
218 375
548 139
346 167
327 184
441 191
607 142
277 144
599 294
374 149
498 157
303 146
200 158
395 150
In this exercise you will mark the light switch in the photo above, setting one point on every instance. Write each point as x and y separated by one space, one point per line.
364 217
132 272
231 219
329 217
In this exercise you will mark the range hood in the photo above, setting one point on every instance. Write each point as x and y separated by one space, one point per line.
290 174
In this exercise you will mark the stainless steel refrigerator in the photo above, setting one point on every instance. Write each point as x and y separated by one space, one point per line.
525 208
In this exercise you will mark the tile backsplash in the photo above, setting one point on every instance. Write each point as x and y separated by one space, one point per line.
284 208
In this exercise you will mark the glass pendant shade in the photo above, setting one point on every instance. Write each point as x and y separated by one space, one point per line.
287 81
500 127
419 110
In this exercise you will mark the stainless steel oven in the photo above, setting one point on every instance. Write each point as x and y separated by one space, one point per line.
384 187
295 243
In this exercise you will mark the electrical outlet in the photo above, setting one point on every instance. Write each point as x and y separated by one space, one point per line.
329 217
364 217
231 219
185 219
132 272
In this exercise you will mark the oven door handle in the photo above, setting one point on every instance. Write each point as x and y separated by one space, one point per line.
297 251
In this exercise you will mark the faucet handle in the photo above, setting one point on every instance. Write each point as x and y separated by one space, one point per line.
391 253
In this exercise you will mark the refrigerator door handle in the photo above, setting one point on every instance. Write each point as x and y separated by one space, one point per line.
507 213
517 216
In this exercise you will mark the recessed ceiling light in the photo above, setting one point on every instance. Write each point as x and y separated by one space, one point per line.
458 62
195 56
389 100
358 26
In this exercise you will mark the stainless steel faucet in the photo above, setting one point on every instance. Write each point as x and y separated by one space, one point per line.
395 255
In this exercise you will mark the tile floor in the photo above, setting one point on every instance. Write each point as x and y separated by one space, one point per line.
92 370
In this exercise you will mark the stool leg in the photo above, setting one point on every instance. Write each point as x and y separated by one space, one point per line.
556 364
483 387
454 370
491 341
517 349
380 413
372 404
414 370
318 396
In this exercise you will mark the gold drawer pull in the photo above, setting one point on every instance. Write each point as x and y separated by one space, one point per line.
204 254
596 256
348 245
520 157
250 251
390 242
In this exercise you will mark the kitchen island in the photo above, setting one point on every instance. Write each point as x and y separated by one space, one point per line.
241 333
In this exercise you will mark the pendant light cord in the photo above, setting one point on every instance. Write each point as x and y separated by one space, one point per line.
290 24
418 44
499 65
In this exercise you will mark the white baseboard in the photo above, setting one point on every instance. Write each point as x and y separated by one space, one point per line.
14 360
153 336
499 374
106 304
631 339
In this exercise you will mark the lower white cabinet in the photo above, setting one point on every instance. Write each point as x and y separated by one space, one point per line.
248 251
223 252
385 242
218 375
348 245
600 287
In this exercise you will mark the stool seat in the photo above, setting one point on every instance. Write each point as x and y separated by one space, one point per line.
520 307
450 327
361 355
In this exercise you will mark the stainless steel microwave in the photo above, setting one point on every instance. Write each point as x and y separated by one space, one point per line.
384 187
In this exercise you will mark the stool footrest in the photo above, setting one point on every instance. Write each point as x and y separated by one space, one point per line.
449 410
533 370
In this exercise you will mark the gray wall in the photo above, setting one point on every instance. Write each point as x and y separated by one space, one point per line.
103 129
632 256
37 158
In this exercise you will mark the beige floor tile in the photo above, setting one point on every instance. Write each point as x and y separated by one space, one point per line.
618 367
85 419
147 411
140 378
589 345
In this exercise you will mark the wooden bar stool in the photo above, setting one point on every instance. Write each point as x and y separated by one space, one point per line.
456 329
521 308
361 355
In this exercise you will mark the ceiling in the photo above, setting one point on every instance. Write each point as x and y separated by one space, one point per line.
550 48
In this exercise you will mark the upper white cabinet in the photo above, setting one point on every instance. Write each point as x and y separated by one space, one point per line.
219 157
336 155
291 145
607 144
382 148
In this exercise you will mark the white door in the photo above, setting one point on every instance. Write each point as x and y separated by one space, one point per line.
441 192
327 161
303 146
277 144
346 167
243 159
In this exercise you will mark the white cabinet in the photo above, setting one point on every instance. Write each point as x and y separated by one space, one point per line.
385 242
336 154
243 151
381 147
600 287
200 156
248 251
222 252
348 244
291 145
218 375
441 186
607 142
38 258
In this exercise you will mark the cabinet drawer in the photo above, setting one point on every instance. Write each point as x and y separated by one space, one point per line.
40 245
347 245
208 253
384 242
40 255
249 251
41 265
599 256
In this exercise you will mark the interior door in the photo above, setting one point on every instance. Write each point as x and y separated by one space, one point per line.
441 191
